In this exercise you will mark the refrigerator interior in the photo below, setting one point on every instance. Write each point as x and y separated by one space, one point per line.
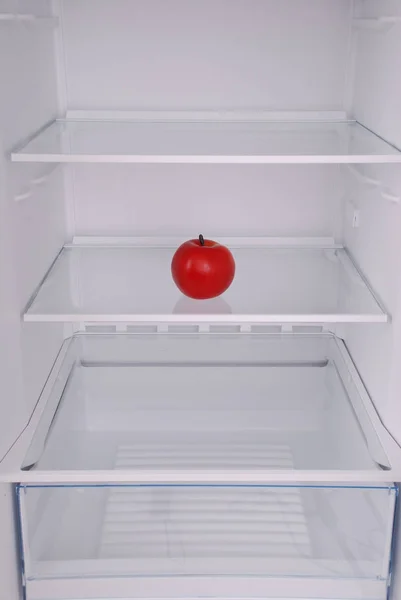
101 58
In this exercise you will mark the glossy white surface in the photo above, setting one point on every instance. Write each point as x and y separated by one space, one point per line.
273 284
206 142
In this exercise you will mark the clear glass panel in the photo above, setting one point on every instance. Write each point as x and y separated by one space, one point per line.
205 403
272 284
329 532
133 141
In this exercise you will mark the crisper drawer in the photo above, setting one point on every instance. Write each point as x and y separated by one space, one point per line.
185 541
205 408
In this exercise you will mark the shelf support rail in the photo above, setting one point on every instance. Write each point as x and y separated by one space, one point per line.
385 192
28 19
35 182
376 24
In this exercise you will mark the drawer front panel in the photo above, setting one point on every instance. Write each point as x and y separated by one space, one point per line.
209 532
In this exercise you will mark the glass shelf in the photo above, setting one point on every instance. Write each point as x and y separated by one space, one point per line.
273 284
266 142
227 408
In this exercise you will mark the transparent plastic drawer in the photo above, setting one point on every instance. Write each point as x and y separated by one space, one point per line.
227 533
207 409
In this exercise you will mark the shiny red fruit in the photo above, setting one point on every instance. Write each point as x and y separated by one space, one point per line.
202 268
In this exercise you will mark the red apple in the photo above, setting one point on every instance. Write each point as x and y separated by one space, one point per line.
202 268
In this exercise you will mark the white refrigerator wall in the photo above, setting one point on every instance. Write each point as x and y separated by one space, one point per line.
209 55
32 214
376 243
31 233
216 200
214 54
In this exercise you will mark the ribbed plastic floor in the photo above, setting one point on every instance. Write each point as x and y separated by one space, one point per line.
195 522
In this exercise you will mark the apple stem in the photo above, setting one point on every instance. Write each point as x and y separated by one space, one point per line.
201 240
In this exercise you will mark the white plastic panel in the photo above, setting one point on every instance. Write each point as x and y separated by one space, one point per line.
376 242
32 229
274 283
218 200
376 91
32 224
185 54
239 142
376 245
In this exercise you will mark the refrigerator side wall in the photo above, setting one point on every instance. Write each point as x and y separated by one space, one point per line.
32 229
32 219
376 243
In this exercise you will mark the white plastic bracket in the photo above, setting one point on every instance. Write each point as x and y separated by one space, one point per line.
28 19
384 191
363 178
386 194
35 182
376 23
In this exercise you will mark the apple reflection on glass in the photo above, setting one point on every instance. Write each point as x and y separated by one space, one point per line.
213 306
